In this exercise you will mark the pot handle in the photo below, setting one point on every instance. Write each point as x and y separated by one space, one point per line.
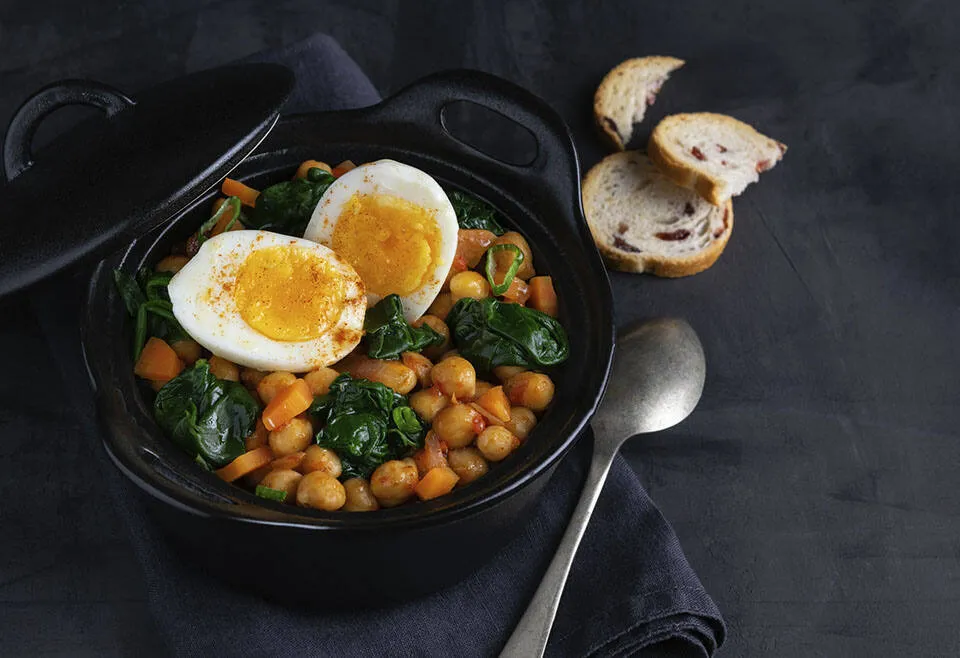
17 155
421 103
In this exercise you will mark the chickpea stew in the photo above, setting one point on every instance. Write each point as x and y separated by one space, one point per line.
292 368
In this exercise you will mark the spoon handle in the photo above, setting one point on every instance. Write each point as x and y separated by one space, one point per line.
529 638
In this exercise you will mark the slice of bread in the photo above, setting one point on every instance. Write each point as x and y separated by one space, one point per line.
626 91
643 222
714 154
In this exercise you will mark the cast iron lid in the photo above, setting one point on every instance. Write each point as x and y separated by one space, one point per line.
116 176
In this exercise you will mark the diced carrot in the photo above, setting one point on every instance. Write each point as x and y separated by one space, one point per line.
542 295
158 362
307 165
437 482
287 405
246 463
343 168
495 401
247 195
287 462
432 455
259 436
487 416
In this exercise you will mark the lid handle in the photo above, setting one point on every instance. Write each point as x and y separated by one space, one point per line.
17 156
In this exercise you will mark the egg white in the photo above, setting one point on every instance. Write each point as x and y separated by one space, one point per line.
212 318
389 177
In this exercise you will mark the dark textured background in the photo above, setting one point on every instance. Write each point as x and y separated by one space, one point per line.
815 489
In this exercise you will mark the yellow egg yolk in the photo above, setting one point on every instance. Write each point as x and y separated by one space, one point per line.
393 244
288 293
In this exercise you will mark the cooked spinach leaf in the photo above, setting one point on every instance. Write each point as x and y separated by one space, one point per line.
366 424
287 207
388 334
491 333
207 417
147 300
474 213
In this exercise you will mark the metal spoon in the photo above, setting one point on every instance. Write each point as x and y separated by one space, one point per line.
657 379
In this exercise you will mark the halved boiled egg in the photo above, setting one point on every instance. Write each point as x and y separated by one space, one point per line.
395 225
270 301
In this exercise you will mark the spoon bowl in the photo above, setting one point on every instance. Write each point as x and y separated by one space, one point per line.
657 378
658 373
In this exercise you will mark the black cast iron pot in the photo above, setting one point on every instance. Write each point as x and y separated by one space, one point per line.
370 557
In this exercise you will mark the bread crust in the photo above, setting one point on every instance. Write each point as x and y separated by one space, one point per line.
647 262
679 171
605 91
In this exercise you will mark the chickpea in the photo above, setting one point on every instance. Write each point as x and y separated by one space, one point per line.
455 376
503 373
283 480
321 459
359 496
321 491
421 367
304 169
393 482
496 443
505 257
395 375
293 437
273 383
481 388
517 293
469 284
458 424
428 402
172 264
467 463
188 350
251 377
434 352
521 422
441 305
255 477
392 374
223 369
533 390
319 380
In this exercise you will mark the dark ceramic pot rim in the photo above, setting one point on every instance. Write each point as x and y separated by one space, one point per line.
541 200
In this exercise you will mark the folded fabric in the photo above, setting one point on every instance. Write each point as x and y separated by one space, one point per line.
631 590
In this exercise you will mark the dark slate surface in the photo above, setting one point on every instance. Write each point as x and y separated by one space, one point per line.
814 490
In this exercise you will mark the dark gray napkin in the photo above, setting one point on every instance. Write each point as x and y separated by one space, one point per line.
631 590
